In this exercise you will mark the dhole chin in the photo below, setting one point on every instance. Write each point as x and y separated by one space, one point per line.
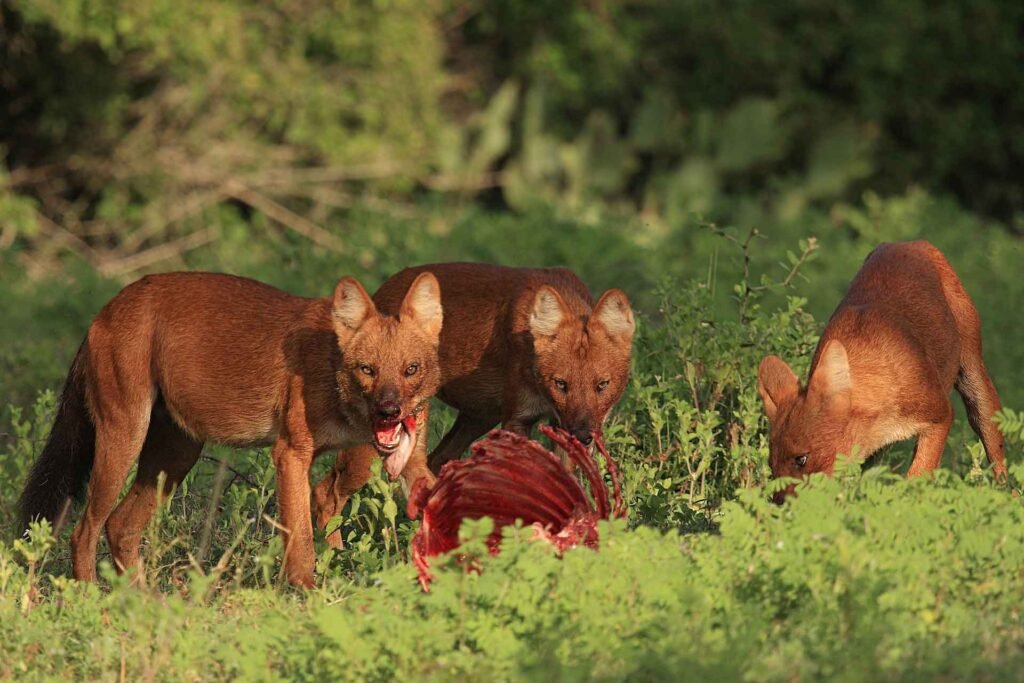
179 359
902 338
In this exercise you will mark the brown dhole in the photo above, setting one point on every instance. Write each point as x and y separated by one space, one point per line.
518 345
903 336
178 359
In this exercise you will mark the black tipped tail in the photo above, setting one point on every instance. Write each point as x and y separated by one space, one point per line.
63 468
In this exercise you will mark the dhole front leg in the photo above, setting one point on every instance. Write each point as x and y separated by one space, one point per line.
293 496
352 469
931 441
350 473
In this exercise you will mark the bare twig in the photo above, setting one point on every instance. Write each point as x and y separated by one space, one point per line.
162 252
237 474
282 215
193 204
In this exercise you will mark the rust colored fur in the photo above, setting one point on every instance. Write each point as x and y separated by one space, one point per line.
179 359
902 338
511 337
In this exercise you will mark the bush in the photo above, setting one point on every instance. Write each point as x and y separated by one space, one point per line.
866 576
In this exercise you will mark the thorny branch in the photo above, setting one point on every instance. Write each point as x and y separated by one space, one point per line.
808 248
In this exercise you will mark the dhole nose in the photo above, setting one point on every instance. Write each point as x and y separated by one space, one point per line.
584 436
389 410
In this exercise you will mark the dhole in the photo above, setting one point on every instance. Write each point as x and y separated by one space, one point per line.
178 359
518 345
903 336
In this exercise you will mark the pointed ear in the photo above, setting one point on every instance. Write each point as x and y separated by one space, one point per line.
548 312
831 382
776 383
422 304
613 312
351 307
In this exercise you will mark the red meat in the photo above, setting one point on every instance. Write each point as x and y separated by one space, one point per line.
512 478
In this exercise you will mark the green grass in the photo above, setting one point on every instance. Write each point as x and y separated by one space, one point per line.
863 577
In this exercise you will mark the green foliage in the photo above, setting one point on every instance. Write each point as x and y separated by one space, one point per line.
878 92
866 576
25 443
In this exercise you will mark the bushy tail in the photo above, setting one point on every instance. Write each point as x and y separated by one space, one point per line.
63 468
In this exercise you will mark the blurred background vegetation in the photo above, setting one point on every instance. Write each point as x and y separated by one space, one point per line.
296 141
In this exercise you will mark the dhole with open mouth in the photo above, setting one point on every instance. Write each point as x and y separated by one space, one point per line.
179 359
903 336
518 345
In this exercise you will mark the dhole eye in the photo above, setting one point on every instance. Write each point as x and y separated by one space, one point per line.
562 385
800 460
367 370
412 369
602 385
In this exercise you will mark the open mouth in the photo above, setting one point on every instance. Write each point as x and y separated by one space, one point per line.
395 439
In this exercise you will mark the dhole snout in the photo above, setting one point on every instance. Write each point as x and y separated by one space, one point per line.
902 338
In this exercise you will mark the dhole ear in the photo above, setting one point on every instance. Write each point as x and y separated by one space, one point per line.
831 381
613 311
548 312
776 383
351 307
422 303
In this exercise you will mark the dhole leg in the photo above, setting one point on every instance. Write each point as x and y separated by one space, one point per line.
167 449
463 433
293 495
973 383
982 402
351 471
931 441
117 448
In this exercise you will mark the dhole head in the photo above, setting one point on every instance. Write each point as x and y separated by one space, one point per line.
582 363
809 425
389 364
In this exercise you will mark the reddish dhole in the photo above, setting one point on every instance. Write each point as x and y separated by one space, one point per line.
178 359
904 335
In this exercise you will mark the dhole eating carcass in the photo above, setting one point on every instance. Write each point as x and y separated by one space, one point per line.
903 336
178 359
518 345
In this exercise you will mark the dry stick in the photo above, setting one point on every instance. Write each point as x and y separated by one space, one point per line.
287 546
130 264
193 204
324 174
237 474
211 511
7 236
282 215
62 235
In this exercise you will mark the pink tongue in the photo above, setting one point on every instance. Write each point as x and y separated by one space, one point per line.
395 462
389 434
